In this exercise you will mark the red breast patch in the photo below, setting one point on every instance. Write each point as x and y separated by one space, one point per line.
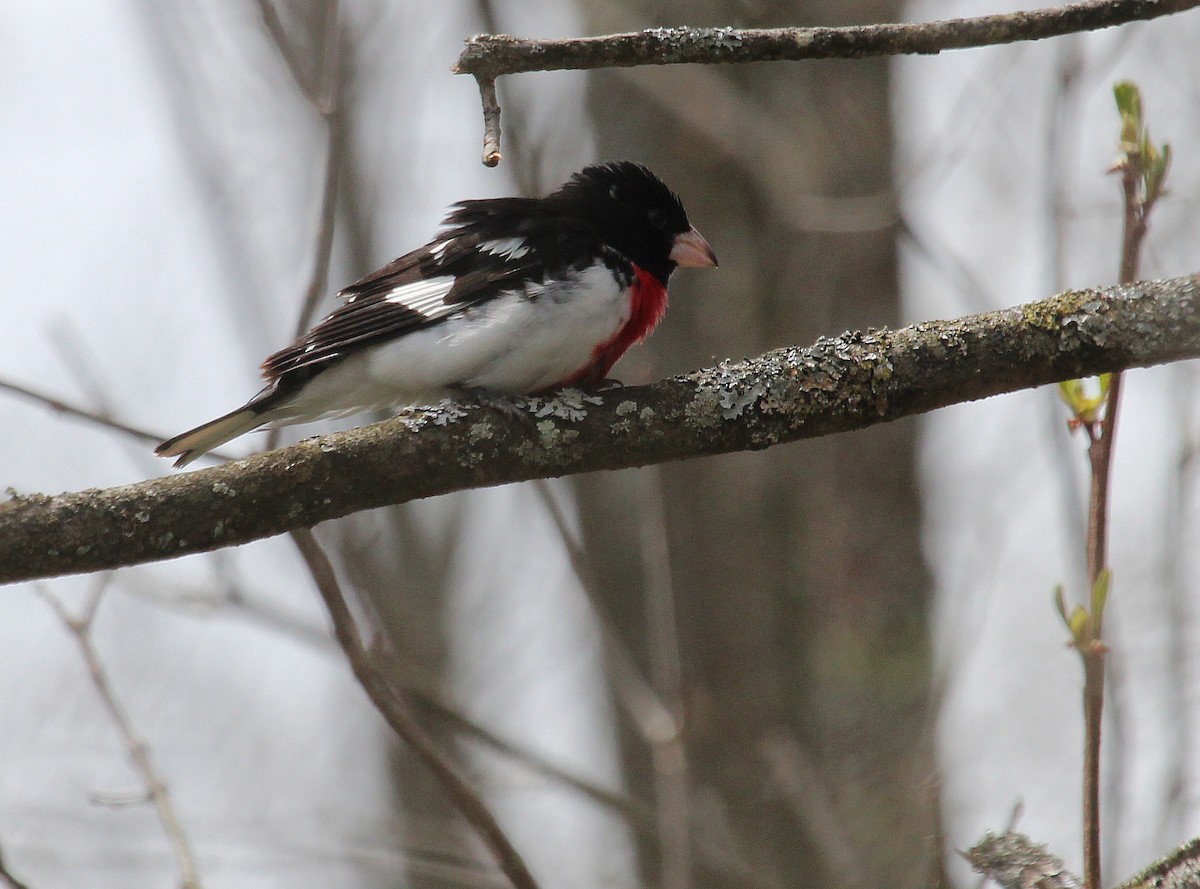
647 305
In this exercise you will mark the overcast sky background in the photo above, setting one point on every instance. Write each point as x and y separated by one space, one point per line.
117 298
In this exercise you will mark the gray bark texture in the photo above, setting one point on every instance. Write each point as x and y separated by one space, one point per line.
838 384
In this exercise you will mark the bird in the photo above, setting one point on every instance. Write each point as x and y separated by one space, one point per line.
513 296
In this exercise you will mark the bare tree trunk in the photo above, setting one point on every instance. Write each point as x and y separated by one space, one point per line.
799 583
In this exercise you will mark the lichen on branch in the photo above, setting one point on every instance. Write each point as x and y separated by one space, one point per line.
488 56
837 384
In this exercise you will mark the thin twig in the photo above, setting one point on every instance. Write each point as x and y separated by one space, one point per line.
6 876
668 754
323 233
1093 714
487 56
640 700
813 805
1177 534
80 629
85 368
395 709
274 26
650 714
72 410
222 594
327 105
190 75
635 811
491 119
1133 167
423 691
69 346
324 98
1100 451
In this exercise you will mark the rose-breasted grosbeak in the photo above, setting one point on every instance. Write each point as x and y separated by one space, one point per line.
515 295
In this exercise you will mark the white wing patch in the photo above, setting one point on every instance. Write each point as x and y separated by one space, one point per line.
506 248
426 298
520 341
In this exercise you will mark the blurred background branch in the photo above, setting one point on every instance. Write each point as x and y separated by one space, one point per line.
392 703
156 791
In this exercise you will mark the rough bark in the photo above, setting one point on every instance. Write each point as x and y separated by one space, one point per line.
490 55
838 384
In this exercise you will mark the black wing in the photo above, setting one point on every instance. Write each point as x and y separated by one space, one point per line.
489 247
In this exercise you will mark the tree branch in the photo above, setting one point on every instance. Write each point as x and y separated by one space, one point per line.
838 384
1178 870
80 629
1016 862
487 56
393 706
71 410
495 54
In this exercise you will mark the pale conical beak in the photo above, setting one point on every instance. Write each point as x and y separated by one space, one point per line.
691 251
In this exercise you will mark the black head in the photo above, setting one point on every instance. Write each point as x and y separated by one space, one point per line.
633 211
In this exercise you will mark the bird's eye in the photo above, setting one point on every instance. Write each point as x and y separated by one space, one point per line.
657 218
